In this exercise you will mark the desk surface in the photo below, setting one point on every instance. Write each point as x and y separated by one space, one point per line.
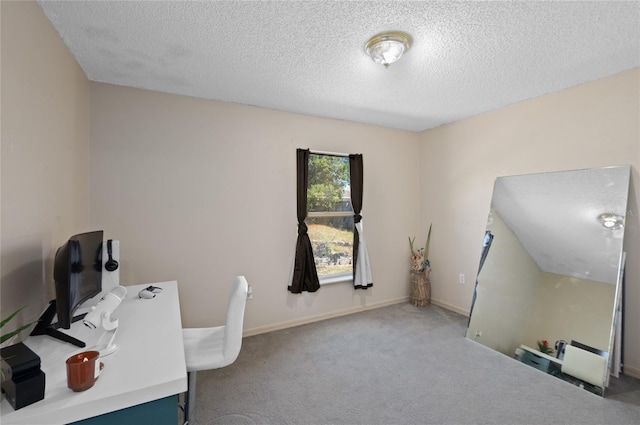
541 354
148 365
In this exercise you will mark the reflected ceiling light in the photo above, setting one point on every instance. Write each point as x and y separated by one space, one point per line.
611 221
387 47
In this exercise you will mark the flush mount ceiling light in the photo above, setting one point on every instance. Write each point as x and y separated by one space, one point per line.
611 221
387 47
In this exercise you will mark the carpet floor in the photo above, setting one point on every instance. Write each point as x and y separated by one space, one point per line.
395 365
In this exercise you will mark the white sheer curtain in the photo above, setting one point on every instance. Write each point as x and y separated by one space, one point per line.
362 278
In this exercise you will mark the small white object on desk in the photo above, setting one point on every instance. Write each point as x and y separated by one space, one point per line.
100 315
149 292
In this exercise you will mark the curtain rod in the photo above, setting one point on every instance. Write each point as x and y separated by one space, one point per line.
328 153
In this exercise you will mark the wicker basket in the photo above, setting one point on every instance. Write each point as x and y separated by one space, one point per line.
420 290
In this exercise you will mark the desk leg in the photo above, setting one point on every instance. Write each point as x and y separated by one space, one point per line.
161 411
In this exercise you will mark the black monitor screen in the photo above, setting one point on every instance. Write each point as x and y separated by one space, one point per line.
77 273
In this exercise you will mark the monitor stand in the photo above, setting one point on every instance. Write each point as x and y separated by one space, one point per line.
45 327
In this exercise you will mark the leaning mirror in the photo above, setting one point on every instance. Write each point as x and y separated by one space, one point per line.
548 289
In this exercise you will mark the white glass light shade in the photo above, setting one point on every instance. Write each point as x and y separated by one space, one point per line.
611 221
386 48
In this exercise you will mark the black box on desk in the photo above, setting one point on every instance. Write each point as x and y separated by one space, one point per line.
23 381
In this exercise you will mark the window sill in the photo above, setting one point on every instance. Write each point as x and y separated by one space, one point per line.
336 279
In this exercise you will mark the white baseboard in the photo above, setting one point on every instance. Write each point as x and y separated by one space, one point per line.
450 307
634 372
338 313
304 320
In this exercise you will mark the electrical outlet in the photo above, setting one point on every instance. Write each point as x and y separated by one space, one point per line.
461 278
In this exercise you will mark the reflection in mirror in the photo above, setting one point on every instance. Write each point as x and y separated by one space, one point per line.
549 281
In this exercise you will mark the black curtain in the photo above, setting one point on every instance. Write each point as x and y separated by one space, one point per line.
305 275
357 179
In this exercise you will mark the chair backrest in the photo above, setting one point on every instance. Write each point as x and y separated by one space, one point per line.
235 318
584 365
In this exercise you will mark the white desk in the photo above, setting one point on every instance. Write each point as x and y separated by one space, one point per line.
149 364
541 361
541 354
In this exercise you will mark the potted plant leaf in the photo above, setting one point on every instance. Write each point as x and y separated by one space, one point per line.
5 337
9 335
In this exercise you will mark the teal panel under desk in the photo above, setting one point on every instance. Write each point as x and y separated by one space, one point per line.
161 411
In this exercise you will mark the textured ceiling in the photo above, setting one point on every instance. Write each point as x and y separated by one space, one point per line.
307 56
554 216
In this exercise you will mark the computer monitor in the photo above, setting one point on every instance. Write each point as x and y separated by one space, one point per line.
77 273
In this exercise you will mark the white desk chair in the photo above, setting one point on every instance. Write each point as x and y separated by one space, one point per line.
585 365
213 348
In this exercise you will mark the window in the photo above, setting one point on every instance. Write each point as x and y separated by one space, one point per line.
329 190
330 215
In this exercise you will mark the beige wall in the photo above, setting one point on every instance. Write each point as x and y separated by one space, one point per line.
591 125
571 309
175 161
45 100
200 191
